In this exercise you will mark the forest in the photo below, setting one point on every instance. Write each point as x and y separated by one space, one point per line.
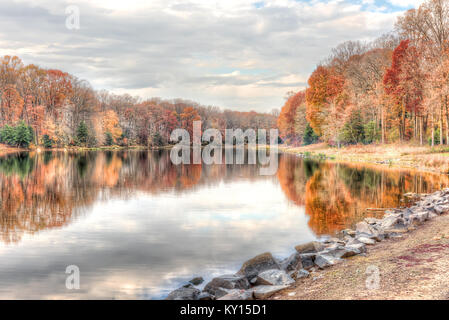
393 89
51 108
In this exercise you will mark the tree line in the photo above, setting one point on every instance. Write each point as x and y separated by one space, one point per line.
50 107
392 89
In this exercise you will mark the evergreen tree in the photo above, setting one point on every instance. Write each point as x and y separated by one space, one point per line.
309 135
353 130
82 134
109 140
23 135
157 140
47 142
7 135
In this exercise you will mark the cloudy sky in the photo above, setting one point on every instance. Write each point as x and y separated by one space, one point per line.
238 54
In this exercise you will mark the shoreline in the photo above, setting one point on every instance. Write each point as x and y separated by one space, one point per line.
325 263
412 265
420 158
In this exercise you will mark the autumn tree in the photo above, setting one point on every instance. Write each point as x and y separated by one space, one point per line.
111 125
403 82
11 105
287 118
189 115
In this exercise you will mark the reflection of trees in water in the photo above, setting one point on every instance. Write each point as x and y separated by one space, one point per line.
49 189
336 196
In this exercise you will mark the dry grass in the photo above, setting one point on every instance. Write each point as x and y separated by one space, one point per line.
399 155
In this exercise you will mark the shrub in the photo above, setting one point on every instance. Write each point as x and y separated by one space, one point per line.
82 134
309 136
47 141
21 135
109 140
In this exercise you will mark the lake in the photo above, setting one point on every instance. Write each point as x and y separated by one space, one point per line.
138 226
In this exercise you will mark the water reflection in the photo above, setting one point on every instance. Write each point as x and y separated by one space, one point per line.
138 226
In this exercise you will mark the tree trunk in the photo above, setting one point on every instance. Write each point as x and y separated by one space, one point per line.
441 124
433 132
382 125
421 120
447 120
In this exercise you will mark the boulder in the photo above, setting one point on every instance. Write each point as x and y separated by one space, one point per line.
263 292
323 260
392 222
302 274
438 209
205 296
184 293
366 240
291 263
262 262
310 247
237 294
307 260
227 282
363 227
372 221
353 249
274 277
335 252
348 232
419 217
197 281
332 241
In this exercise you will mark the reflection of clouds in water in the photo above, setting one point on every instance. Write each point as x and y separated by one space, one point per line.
148 245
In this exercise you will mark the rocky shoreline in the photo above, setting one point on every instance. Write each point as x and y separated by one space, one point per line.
263 275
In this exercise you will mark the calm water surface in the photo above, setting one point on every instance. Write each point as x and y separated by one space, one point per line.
138 226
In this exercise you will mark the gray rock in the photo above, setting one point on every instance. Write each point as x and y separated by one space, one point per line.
324 260
205 296
310 247
264 292
184 293
197 281
262 262
216 285
363 227
302 274
348 232
438 209
220 292
353 249
372 220
419 217
307 260
333 240
238 294
366 240
274 277
335 252
291 263
369 231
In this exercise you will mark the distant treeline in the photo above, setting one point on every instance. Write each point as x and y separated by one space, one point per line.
62 110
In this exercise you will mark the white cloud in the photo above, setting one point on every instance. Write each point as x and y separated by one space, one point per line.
228 53
406 3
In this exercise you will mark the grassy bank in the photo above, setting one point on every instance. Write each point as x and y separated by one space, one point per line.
424 158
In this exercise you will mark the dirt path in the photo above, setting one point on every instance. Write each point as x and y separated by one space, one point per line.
415 266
